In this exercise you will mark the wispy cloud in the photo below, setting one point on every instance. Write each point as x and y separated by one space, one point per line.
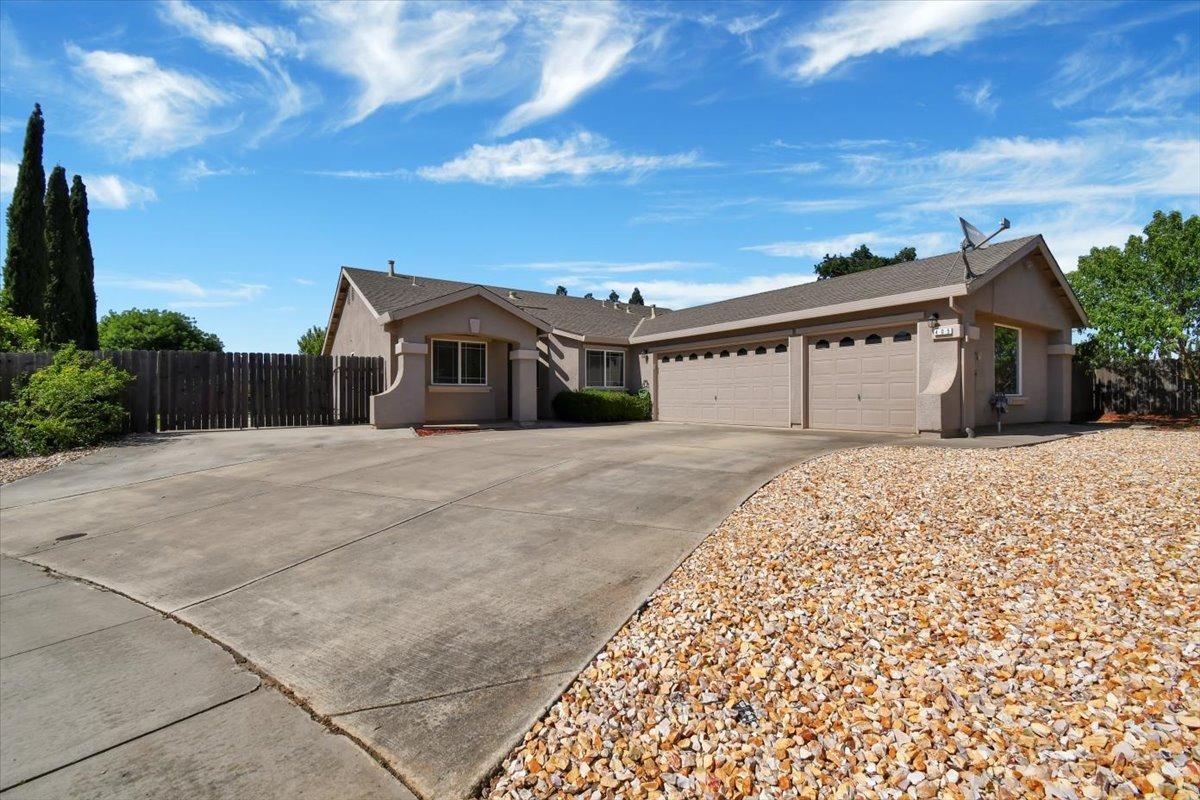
979 96
8 176
257 46
362 174
745 25
113 191
191 294
585 44
607 267
531 160
856 29
200 169
401 52
304 281
143 109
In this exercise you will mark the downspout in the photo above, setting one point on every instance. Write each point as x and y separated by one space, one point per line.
962 370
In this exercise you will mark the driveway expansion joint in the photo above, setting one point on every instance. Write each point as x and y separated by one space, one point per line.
468 690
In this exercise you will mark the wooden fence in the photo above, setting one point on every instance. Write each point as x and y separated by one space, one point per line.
183 390
1152 387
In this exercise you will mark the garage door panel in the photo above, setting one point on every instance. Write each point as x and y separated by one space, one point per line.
751 389
864 386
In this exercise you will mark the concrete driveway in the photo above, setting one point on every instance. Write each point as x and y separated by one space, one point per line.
427 597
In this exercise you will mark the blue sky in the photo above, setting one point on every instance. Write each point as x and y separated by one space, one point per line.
238 153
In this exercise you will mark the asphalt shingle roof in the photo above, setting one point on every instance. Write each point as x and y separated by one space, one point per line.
911 276
594 318
576 314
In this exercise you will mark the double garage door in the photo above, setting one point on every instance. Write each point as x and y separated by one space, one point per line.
743 385
859 380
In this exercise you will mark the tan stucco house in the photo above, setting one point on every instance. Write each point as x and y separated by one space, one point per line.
917 347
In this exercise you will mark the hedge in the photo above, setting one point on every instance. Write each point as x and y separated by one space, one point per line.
599 405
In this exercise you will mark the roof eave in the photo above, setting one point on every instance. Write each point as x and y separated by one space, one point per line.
937 293
1037 243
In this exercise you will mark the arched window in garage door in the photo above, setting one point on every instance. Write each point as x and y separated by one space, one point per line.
902 336
874 338
822 344
847 341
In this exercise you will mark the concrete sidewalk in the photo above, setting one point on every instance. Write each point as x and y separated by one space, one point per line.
430 597
102 697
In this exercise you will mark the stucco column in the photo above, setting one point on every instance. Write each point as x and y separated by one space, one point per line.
797 380
524 388
1058 377
403 403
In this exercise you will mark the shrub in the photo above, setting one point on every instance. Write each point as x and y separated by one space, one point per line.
72 402
154 329
600 405
17 334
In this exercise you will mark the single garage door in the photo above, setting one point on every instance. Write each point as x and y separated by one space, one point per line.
742 385
863 380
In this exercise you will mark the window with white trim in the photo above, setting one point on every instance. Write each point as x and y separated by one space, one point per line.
1007 348
458 363
605 369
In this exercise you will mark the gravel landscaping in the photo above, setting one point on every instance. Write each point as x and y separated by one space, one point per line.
12 469
911 622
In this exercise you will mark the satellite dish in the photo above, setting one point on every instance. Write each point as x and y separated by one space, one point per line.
974 239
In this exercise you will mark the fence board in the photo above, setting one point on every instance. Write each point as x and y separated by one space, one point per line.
1152 387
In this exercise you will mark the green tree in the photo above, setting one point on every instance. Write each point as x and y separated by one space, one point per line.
589 296
63 318
312 341
859 260
18 334
635 299
1144 300
90 338
25 257
154 329
561 291
613 296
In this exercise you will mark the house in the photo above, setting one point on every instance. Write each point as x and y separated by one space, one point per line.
916 347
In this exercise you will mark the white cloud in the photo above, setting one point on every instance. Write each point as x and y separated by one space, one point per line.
748 24
199 169
8 177
683 294
1087 71
362 174
304 282
528 160
980 97
608 267
146 110
1162 94
856 29
195 295
586 45
257 46
824 205
927 244
113 191
401 52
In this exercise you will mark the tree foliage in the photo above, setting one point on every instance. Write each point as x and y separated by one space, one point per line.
25 256
90 335
312 341
859 260
561 291
613 296
1144 300
18 334
635 299
72 402
64 317
154 329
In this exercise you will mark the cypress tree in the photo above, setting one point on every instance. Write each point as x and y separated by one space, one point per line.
90 339
25 269
64 305
635 299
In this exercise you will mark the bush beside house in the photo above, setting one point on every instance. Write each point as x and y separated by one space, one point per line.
73 402
599 405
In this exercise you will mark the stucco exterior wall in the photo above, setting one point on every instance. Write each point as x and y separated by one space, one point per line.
562 366
359 333
496 327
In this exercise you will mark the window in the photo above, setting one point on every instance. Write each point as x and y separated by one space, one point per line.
822 344
847 341
781 348
679 358
742 352
902 336
760 351
693 357
708 354
456 363
606 369
874 338
665 359
1008 360
724 354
